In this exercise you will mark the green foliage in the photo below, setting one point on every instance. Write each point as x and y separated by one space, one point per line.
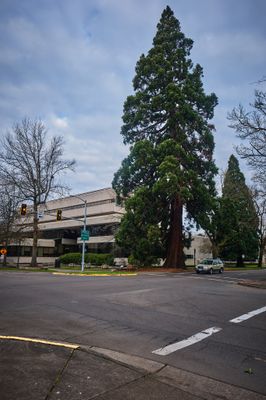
71 258
92 258
133 261
239 223
166 122
139 232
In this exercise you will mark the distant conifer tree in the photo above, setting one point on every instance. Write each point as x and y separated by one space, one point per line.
239 222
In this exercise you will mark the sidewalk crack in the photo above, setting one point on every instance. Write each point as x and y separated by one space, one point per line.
60 374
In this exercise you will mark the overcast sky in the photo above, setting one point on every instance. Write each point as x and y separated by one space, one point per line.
71 63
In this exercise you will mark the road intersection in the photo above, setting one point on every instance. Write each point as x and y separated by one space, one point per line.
138 316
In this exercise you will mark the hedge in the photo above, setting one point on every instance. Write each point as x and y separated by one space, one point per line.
92 258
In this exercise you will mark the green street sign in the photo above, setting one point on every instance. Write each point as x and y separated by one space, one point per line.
85 235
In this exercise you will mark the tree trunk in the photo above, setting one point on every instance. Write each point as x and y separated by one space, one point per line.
261 251
35 237
175 256
240 261
215 250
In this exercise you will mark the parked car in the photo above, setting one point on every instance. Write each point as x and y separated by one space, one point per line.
210 265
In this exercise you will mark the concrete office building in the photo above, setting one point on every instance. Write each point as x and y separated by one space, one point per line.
58 237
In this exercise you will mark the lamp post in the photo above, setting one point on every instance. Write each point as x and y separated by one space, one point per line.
84 230
83 236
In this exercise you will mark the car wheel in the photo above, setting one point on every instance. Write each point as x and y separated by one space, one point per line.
211 271
221 270
197 272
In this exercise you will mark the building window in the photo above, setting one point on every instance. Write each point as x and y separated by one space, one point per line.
26 251
48 251
45 251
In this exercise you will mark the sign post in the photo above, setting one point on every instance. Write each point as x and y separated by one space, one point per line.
85 235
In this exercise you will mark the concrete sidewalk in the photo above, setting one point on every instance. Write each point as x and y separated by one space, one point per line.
40 371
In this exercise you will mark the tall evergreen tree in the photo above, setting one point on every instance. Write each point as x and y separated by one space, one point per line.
239 229
170 164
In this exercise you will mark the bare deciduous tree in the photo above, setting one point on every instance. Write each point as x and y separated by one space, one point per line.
32 165
251 127
260 206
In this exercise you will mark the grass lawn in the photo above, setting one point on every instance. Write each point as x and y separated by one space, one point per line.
69 270
112 271
232 266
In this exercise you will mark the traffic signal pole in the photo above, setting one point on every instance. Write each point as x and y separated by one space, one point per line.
83 242
84 229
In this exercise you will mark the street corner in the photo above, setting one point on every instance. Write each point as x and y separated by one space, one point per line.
32 369
89 375
29 369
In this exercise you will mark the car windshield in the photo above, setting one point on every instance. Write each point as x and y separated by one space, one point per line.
207 262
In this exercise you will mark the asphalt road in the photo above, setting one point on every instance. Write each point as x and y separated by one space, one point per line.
142 314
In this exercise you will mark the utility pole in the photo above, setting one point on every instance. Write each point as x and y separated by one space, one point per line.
84 236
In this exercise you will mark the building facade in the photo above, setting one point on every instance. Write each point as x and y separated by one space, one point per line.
57 237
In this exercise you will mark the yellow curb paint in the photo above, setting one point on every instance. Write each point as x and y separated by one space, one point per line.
42 341
66 273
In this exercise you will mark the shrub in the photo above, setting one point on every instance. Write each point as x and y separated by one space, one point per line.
133 261
71 258
92 258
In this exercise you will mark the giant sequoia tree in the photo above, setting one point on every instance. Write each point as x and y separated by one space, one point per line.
166 122
239 227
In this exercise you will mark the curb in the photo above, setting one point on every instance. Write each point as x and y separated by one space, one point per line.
41 341
89 275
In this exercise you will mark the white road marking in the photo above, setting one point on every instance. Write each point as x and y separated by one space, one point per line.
248 315
164 351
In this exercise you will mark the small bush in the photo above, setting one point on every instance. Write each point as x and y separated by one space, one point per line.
148 261
92 258
71 258
133 261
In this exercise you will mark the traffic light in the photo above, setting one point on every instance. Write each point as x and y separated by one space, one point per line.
23 209
59 215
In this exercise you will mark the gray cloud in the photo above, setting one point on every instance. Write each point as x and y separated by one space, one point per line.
72 63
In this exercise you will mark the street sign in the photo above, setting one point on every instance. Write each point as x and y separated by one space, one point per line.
84 235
